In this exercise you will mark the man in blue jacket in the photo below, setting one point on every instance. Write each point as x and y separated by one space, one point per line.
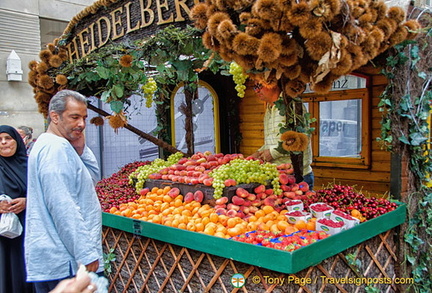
63 224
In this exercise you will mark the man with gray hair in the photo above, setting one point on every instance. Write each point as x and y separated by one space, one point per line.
63 224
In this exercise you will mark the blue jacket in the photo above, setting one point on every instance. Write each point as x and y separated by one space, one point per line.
64 220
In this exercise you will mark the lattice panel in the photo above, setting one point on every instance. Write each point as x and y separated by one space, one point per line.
147 265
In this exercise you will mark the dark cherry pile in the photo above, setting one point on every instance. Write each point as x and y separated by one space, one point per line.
346 199
115 190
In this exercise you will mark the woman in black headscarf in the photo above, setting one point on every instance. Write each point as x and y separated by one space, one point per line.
13 182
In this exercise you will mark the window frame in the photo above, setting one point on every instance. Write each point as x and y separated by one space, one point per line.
313 100
216 120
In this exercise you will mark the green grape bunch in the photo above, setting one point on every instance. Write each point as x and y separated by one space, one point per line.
245 171
149 88
142 173
239 78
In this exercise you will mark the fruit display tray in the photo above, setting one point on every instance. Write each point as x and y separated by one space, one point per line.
207 190
287 262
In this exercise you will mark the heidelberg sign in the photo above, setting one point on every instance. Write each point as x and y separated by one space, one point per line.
125 20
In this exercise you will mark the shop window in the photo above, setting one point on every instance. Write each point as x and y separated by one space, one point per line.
341 136
205 111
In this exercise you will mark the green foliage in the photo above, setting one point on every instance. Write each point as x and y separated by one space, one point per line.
406 107
108 259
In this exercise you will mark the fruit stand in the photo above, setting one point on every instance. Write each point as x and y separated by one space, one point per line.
154 254
182 226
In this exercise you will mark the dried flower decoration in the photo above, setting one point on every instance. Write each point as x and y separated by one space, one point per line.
46 82
199 15
45 55
42 67
293 141
116 121
126 61
244 44
61 79
270 47
55 61
33 65
98 121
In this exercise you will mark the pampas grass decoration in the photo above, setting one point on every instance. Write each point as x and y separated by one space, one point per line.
51 47
255 27
266 9
210 42
292 72
215 20
244 44
46 82
32 78
319 45
325 85
97 121
45 55
199 15
226 30
311 28
61 79
55 61
42 67
293 141
288 60
63 54
396 13
246 62
126 60
398 36
294 88
413 28
344 65
299 13
32 65
270 47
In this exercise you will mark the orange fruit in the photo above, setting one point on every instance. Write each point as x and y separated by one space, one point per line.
267 209
282 225
310 225
259 213
300 224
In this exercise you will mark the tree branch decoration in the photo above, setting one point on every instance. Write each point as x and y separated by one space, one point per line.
301 41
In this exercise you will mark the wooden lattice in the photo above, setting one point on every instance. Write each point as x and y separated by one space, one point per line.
147 265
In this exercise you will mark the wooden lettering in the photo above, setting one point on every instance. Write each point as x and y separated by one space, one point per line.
92 34
117 23
73 50
178 5
146 10
100 32
128 20
159 7
84 36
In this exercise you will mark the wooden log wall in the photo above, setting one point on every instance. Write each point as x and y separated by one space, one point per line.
374 180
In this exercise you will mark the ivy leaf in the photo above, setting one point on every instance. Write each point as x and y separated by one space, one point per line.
417 138
105 95
404 139
103 72
118 90
116 106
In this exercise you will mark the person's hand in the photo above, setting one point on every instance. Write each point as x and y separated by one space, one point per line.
4 207
266 156
93 266
17 205
79 144
79 284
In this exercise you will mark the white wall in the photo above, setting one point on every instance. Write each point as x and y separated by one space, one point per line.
20 31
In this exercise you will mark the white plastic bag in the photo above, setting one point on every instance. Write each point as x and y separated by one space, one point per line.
10 225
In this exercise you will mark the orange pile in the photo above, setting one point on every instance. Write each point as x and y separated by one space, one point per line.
160 208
